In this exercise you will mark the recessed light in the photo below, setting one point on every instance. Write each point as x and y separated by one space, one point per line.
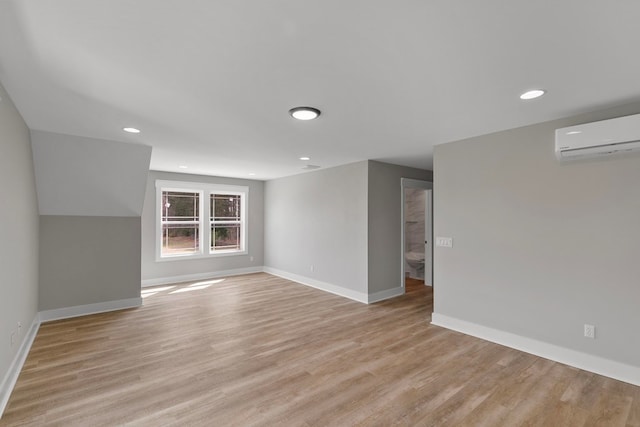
304 113
183 166
131 130
310 167
252 174
532 94
305 158
574 132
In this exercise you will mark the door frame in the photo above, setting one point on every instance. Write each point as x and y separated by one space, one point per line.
425 185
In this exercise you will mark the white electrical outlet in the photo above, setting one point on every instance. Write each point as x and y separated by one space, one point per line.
311 267
589 331
251 258
13 337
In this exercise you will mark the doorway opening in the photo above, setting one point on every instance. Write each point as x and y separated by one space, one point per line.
417 234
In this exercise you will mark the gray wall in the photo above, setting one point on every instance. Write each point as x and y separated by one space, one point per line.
152 270
90 195
540 247
18 232
88 259
319 218
385 223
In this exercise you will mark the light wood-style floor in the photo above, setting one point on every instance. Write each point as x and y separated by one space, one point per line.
260 350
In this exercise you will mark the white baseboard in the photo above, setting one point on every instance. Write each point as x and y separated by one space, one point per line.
83 310
200 276
386 294
323 286
598 365
9 381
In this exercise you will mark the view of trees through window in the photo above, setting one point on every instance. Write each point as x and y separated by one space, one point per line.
180 222
225 221
191 227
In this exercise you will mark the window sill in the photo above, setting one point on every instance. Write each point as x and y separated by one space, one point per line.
200 256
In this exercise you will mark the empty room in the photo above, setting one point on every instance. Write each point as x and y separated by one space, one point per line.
367 213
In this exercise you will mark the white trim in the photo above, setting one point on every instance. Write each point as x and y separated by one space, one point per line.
425 185
199 276
324 286
386 294
187 257
83 310
598 365
416 183
10 378
181 185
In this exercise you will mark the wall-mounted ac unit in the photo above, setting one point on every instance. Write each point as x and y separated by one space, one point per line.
598 138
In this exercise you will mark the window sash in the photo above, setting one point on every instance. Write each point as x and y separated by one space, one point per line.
180 222
177 245
176 222
234 243
181 199
238 201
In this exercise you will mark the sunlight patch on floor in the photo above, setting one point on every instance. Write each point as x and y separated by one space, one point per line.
147 292
197 286
152 291
207 282
189 289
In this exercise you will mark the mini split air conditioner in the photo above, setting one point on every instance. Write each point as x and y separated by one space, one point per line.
598 138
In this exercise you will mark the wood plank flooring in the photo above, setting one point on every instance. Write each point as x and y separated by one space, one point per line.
258 350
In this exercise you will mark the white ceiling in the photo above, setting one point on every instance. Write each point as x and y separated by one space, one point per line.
210 82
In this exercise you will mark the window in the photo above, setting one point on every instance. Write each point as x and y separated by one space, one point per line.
180 222
225 221
199 220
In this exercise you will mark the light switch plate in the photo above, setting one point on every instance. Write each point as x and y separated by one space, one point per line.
444 242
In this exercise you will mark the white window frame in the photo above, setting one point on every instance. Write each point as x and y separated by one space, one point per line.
204 191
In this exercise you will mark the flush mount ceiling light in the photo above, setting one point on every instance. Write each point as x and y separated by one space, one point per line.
131 130
304 113
305 158
532 94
